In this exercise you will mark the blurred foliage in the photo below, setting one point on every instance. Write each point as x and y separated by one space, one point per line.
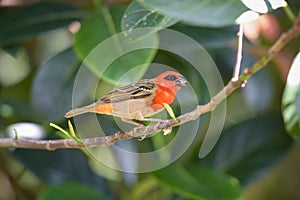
44 45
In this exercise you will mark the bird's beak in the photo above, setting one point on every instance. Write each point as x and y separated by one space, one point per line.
181 81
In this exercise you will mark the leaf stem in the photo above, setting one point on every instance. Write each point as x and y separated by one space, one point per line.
109 20
289 13
237 66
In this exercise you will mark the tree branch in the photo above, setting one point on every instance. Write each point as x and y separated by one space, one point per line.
166 124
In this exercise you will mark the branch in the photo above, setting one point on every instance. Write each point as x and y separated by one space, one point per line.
165 124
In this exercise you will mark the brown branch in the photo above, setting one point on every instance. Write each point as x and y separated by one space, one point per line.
166 124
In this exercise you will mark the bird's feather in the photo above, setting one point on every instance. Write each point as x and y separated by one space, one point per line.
141 89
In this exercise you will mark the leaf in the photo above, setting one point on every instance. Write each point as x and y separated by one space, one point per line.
31 21
264 6
58 166
213 13
53 86
248 149
209 37
13 69
198 183
291 99
110 54
137 16
70 190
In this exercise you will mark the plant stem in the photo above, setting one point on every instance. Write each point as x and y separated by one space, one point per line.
289 13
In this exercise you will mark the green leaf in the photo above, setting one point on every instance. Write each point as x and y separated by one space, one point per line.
209 37
13 69
31 21
111 55
199 183
53 86
248 149
70 190
137 16
54 167
290 100
213 13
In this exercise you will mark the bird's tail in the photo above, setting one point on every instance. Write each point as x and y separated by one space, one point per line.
81 110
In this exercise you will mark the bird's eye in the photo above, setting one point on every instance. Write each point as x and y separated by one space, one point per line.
170 78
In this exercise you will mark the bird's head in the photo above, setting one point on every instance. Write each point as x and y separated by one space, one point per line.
170 79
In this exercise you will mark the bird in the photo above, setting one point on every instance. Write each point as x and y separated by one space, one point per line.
137 101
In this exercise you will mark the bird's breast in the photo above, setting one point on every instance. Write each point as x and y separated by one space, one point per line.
163 96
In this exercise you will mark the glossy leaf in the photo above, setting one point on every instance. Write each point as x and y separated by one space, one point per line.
53 86
31 21
198 183
111 54
291 99
213 13
70 190
248 149
58 166
137 16
209 37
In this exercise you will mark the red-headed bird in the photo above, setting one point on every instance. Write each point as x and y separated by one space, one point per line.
137 100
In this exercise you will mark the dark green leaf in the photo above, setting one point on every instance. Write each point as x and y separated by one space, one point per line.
199 183
114 54
290 100
209 37
137 16
74 191
53 85
248 149
213 13
31 21
58 166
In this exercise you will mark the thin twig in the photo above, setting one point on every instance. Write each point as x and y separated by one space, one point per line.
147 130
238 61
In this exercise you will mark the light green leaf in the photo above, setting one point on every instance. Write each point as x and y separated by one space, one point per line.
199 183
13 69
70 190
137 16
290 100
111 55
31 21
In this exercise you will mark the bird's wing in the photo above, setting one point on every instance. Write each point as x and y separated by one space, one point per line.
141 89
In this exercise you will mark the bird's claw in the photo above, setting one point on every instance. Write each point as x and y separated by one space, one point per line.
167 130
142 138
